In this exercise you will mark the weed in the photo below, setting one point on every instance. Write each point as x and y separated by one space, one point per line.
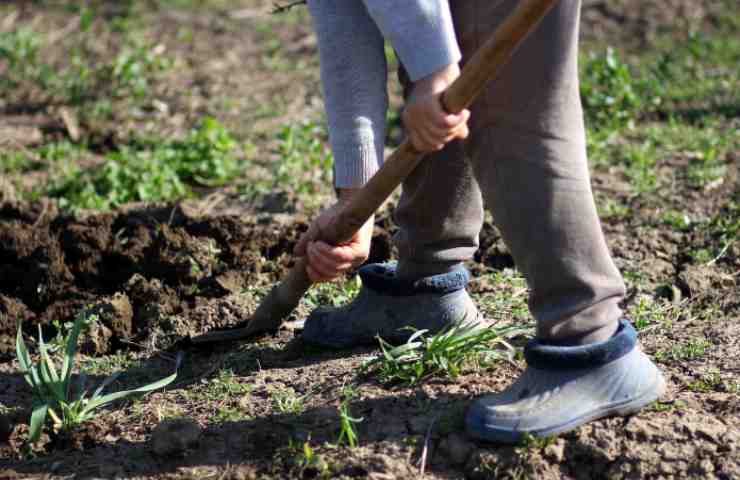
347 432
333 294
640 161
230 414
690 350
647 311
509 297
670 406
108 364
11 162
127 74
287 401
610 209
530 442
53 389
678 220
309 463
444 353
19 49
227 384
305 158
154 171
611 95
725 230
709 382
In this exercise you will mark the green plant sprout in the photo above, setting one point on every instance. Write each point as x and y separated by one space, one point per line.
54 394
445 353
347 432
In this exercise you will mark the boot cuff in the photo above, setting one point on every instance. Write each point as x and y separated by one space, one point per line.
543 356
382 278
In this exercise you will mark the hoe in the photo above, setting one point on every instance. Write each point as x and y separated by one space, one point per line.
481 68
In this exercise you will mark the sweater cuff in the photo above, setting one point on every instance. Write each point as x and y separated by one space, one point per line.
355 160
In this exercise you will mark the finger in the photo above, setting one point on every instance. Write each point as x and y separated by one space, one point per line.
437 132
324 265
336 254
315 276
462 132
449 120
431 142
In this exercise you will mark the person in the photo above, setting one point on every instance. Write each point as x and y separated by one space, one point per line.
520 150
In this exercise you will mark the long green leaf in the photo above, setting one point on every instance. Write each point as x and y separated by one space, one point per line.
49 373
38 418
100 401
45 357
105 383
29 373
71 349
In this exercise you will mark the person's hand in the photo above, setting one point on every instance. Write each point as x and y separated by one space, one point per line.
428 126
328 262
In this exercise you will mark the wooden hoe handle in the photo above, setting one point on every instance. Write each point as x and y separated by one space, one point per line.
485 65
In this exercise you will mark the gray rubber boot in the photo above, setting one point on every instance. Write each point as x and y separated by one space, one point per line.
565 387
386 304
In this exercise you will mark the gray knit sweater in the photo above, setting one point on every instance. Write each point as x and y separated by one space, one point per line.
354 72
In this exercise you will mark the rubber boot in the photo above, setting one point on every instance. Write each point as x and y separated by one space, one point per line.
387 305
565 387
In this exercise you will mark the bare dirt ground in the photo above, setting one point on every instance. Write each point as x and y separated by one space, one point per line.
156 273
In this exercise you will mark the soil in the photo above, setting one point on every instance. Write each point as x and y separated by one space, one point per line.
158 273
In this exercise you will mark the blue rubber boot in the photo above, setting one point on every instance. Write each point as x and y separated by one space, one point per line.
565 387
386 304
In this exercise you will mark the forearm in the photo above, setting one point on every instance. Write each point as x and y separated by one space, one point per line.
421 32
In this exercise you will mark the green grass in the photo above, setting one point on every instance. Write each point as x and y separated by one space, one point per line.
691 350
84 77
225 385
709 382
443 354
650 312
691 86
509 296
152 170
287 401
333 294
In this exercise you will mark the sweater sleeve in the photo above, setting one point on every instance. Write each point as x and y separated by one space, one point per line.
421 32
353 76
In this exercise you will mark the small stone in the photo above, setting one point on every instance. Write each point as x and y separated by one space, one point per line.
555 452
175 437
706 466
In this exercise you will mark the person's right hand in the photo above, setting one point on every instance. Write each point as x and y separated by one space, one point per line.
428 126
328 262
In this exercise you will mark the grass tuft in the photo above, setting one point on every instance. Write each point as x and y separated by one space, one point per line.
442 354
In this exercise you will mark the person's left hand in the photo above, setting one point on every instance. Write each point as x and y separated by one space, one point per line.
428 126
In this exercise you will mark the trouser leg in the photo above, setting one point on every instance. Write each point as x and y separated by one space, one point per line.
528 150
440 213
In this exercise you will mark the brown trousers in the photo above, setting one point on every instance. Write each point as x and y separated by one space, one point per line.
526 159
